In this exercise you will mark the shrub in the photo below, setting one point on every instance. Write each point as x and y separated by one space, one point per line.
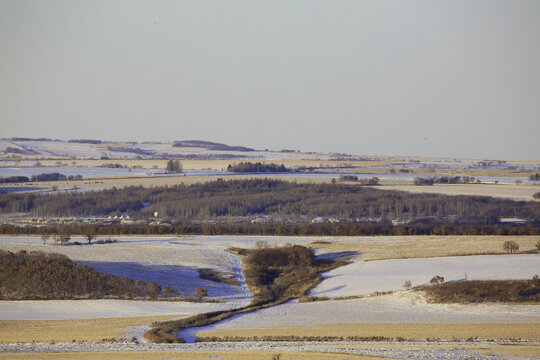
511 247
436 280
261 244
200 293
407 285
536 195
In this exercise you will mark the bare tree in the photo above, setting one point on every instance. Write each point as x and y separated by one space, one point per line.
90 235
64 237
511 247
44 237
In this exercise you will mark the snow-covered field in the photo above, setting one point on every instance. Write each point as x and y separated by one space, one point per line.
367 277
115 151
364 278
91 309
173 261
402 307
85 172
60 148
167 260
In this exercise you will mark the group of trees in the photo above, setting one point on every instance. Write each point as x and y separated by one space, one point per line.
183 204
278 272
249 167
13 179
444 180
348 178
54 177
174 166
38 275
373 181
39 177
112 166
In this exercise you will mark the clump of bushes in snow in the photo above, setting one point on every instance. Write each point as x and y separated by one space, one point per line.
38 275
479 291
274 276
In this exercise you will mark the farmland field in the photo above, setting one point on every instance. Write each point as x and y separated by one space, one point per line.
173 261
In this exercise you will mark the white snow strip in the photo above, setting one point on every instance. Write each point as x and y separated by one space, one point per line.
89 309
367 277
395 308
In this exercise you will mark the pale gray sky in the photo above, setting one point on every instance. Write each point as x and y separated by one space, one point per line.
434 78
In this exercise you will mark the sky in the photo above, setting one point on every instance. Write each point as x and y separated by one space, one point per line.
429 78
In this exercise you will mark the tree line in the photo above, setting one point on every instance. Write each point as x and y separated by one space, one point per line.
445 180
39 177
281 200
249 167
340 229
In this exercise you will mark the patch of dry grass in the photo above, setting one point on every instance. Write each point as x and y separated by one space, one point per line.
190 355
404 247
92 330
522 350
524 331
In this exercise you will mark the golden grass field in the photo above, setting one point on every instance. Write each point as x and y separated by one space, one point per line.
404 247
413 331
190 355
524 350
91 330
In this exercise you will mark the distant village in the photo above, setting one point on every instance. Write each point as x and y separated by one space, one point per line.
109 220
